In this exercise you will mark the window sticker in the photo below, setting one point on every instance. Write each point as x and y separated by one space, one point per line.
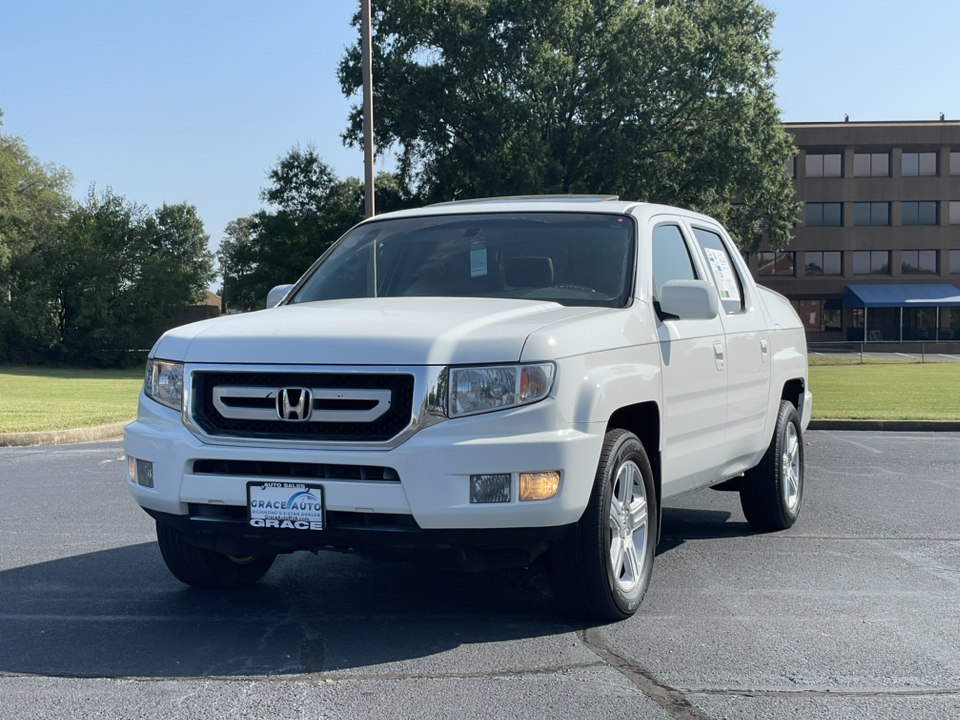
726 280
478 261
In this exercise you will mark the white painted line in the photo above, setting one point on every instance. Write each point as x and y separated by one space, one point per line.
859 445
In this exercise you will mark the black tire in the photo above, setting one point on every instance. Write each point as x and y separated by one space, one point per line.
595 572
206 568
772 492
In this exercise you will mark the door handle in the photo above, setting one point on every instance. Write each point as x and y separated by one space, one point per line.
718 354
764 349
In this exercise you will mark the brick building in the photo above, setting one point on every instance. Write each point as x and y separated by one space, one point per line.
877 253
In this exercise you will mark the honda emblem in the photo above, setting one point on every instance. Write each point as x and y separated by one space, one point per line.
295 404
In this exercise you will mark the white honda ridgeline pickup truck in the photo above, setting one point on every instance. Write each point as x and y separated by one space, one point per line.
485 381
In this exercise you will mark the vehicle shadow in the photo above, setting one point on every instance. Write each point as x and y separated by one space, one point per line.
119 613
683 524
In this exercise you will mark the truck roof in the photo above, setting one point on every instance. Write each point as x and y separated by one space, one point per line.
541 203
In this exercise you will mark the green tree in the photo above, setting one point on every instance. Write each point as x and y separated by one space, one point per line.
660 100
237 263
86 283
116 275
34 200
88 268
176 266
310 209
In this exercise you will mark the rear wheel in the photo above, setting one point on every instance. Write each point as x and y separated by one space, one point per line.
772 491
601 569
207 568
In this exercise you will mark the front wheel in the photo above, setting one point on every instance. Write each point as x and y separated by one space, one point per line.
602 568
772 491
207 568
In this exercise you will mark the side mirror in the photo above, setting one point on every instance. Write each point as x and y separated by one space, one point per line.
277 294
689 300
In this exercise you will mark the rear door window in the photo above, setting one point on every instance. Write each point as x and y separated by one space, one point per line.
722 268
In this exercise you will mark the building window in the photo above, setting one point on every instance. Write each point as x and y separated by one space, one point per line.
918 262
872 262
919 164
858 320
883 325
824 263
790 167
919 323
871 213
955 163
919 213
823 215
871 164
949 324
769 263
955 212
820 315
955 262
824 165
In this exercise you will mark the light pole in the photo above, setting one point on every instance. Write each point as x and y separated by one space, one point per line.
367 68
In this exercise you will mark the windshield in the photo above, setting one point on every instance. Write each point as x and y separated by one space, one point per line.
568 258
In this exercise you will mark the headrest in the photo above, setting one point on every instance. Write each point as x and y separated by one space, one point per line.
529 272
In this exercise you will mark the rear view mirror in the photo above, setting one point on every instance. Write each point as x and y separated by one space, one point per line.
277 294
689 300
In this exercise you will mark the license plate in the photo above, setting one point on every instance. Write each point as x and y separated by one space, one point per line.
287 505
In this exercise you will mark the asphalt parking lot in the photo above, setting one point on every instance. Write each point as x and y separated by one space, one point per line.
853 613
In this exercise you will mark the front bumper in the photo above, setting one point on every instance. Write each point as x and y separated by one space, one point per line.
371 536
433 466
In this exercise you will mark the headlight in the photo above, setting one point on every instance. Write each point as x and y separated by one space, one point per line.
164 383
482 389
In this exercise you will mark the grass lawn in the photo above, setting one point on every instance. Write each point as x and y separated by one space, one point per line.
48 399
34 398
886 392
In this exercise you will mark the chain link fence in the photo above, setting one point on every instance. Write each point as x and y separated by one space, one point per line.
866 353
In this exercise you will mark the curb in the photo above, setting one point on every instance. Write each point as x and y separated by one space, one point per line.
887 425
62 437
113 431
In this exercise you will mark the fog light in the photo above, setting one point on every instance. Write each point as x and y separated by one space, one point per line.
490 488
539 486
145 473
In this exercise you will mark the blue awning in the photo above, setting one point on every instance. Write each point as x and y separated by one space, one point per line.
888 296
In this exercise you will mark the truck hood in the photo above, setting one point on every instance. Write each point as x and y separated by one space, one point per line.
369 331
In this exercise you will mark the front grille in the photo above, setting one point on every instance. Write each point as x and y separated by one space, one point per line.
311 471
383 428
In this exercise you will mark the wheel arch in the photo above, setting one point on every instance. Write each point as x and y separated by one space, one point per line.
643 420
793 390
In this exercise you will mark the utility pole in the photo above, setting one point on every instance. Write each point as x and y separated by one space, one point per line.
367 68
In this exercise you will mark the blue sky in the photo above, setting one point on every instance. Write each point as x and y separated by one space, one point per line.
194 101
